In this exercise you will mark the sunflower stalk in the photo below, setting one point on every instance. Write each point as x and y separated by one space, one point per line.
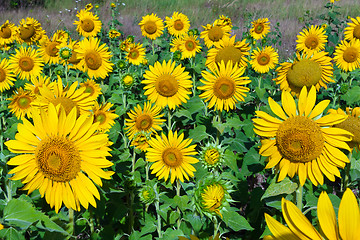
169 126
345 180
132 195
299 197
178 188
70 227
157 207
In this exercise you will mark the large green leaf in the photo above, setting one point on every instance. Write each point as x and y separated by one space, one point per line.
11 234
235 221
198 133
284 187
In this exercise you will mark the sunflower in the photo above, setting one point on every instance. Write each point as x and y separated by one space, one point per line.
260 28
20 103
300 228
7 33
91 87
171 155
127 81
176 43
351 124
7 78
94 59
227 49
70 47
347 55
213 33
37 82
114 34
88 24
29 31
135 54
49 51
147 119
88 7
27 63
69 97
104 116
311 40
167 85
212 156
61 35
178 24
352 31
223 86
141 140
151 26
262 60
189 46
56 153
302 141
306 70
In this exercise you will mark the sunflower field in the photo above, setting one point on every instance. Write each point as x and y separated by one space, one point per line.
184 134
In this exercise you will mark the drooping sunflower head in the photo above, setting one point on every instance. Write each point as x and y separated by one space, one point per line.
213 33
151 26
8 33
146 119
347 55
260 28
94 58
29 31
127 81
172 156
27 63
262 60
189 46
301 140
223 86
20 103
212 156
114 34
178 24
104 116
141 140
311 40
91 87
352 31
88 24
135 53
167 85
226 20
306 70
61 36
227 49
7 78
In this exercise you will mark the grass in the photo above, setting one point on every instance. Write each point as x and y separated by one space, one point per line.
289 14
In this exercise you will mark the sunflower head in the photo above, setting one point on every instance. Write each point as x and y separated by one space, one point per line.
141 140
20 103
104 116
260 28
88 24
212 156
151 26
65 53
147 194
88 6
178 24
347 55
121 64
312 40
127 81
352 31
114 34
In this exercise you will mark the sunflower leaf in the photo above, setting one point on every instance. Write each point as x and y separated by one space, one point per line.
277 188
235 221
11 234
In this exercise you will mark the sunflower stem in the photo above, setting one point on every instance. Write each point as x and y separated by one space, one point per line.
169 126
157 207
345 181
299 197
132 195
66 72
178 188
70 228
216 226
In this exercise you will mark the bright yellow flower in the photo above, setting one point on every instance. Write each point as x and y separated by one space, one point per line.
260 28
311 40
151 26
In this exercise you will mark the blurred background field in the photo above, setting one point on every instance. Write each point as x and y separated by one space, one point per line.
291 15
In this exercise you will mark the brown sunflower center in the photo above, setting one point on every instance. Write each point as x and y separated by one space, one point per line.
166 85
351 124
178 25
356 32
299 139
51 49
190 45
172 157
26 63
93 60
143 122
2 75
24 102
259 28
350 54
58 159
306 72
67 103
5 32
263 59
150 27
228 53
311 42
26 32
224 88
87 25
215 33
74 59
212 156
101 117
134 54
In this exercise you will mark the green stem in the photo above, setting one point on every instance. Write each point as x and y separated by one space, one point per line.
157 207
178 188
169 126
309 209
70 228
66 73
346 178
132 195
299 197
216 226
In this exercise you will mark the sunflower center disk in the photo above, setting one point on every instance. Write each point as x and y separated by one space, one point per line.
228 53
24 102
134 54
2 75
100 118
166 85
212 156
190 45
224 88
67 103
172 157
51 49
351 124
26 32
304 73
128 80
93 60
143 122
215 33
90 90
26 64
58 159
73 59
87 25
263 59
178 25
299 139
259 28
350 54
5 32
356 32
150 27
311 42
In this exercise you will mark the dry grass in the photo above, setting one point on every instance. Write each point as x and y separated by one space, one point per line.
287 13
